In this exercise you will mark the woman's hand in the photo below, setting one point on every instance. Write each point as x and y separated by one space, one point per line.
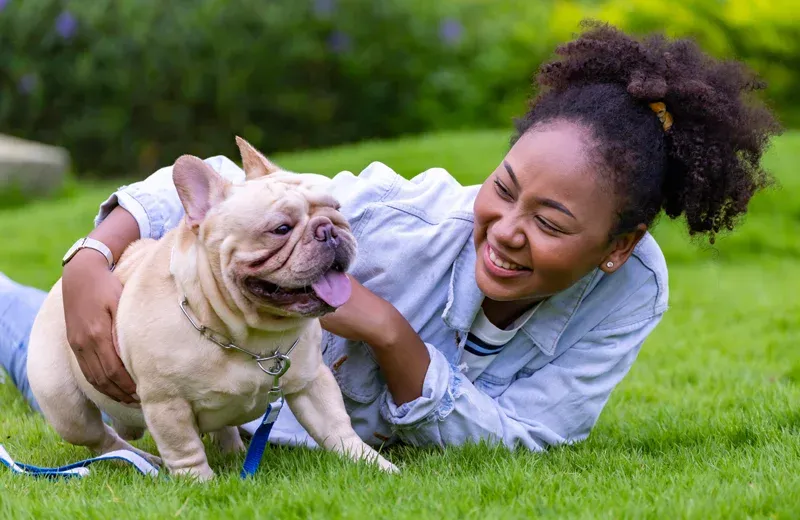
365 317
91 294
401 354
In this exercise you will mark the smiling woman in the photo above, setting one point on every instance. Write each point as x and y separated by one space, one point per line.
544 215
505 312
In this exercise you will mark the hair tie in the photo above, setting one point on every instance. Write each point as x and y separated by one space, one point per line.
665 117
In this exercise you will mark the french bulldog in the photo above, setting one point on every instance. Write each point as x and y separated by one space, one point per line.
257 263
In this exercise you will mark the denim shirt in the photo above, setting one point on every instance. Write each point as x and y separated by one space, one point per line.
546 387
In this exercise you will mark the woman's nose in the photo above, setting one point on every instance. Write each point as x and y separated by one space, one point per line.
508 233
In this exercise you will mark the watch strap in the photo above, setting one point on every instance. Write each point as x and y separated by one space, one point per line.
90 243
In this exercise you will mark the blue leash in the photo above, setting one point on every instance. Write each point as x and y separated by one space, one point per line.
79 469
255 451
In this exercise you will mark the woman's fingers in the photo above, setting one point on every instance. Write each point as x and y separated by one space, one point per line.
116 377
109 357
95 374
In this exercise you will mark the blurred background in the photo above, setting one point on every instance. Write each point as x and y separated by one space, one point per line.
126 86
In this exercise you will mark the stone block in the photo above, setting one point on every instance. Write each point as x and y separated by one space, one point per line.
34 169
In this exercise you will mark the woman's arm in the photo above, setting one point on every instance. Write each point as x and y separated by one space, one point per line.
91 292
430 402
154 202
401 354
557 404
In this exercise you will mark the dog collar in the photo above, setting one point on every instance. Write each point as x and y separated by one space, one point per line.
281 362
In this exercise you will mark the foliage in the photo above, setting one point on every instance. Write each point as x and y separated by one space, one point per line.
129 85
763 33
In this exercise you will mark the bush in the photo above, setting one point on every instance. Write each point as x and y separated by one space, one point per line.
764 34
128 85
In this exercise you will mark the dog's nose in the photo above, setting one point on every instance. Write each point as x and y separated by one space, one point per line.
326 233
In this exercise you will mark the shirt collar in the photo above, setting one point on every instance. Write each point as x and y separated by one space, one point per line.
464 298
552 318
545 326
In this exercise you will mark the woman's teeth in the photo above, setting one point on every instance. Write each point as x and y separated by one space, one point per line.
502 263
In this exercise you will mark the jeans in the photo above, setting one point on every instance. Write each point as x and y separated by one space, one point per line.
18 308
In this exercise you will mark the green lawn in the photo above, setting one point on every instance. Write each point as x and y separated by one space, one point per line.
707 424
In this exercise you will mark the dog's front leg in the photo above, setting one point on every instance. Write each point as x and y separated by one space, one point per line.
174 427
319 408
229 440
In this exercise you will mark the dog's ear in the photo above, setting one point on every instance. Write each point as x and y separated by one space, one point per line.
199 187
254 163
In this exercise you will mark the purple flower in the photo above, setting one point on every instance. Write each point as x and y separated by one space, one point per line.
450 31
3 4
27 83
66 25
322 8
339 42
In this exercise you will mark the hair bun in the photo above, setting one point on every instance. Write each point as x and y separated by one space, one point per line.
707 167
642 86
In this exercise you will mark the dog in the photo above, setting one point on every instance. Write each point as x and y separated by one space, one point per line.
256 264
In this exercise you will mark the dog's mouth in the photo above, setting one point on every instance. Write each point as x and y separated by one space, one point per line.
330 291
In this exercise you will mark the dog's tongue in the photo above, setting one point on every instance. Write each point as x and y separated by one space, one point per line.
333 288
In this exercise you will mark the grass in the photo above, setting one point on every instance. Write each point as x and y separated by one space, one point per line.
707 424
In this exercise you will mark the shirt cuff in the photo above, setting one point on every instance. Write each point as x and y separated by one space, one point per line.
134 207
439 392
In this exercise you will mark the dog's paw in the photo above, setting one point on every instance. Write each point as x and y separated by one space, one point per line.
196 473
149 457
229 440
233 446
152 459
119 444
387 466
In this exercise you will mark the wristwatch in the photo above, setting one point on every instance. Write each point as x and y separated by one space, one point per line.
89 243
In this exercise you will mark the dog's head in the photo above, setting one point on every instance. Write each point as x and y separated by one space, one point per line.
276 244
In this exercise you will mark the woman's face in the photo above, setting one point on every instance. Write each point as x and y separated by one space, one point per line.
542 219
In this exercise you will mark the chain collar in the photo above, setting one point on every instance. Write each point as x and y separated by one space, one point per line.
281 362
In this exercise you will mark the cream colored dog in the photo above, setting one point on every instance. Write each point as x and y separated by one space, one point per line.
257 262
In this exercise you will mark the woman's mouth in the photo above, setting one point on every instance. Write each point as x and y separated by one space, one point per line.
499 262
500 266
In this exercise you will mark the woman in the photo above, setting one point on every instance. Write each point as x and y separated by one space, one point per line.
506 312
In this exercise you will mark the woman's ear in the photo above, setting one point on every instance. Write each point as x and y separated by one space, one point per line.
621 248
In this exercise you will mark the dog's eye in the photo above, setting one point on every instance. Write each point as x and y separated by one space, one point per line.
282 230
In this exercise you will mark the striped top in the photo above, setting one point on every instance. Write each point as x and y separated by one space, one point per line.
486 340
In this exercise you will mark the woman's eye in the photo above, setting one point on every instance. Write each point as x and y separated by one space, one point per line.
282 230
502 190
547 225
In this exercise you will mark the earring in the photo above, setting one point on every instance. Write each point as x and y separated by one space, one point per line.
609 264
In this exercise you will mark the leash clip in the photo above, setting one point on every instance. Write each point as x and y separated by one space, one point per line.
277 370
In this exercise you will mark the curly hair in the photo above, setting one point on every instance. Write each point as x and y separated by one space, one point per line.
705 167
